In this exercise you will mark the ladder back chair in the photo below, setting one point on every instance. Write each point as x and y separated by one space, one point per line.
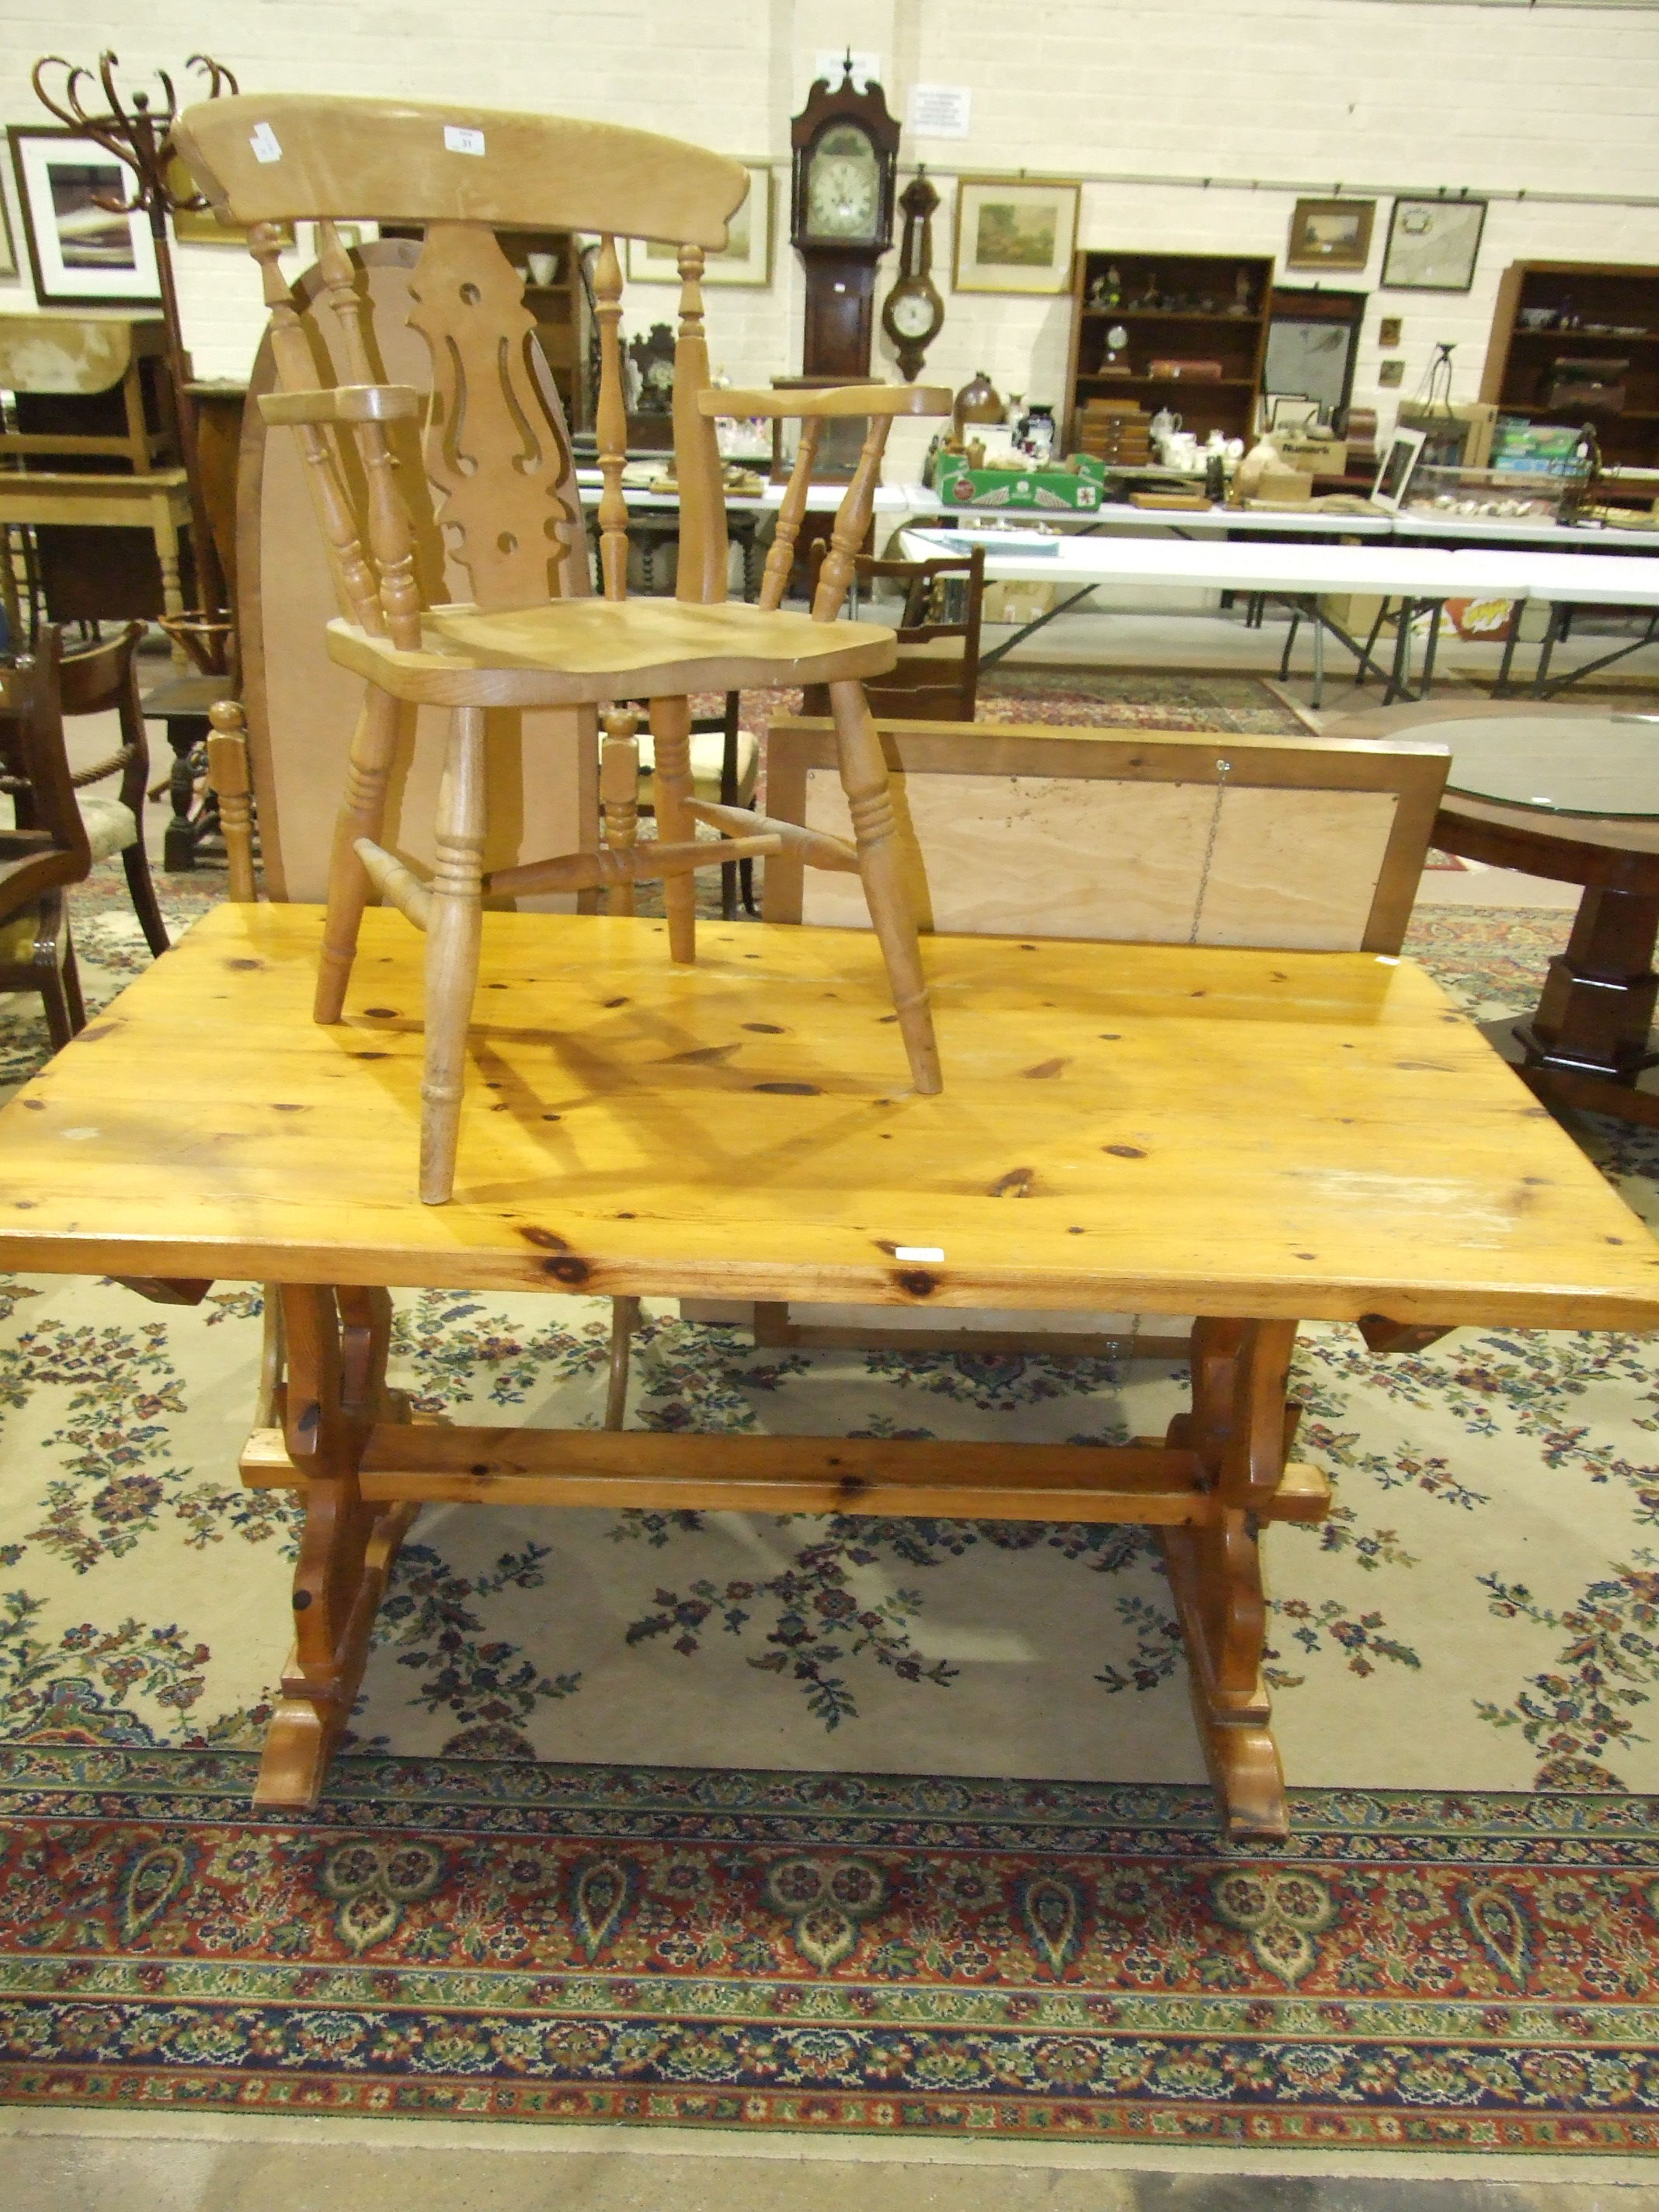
936 676
493 455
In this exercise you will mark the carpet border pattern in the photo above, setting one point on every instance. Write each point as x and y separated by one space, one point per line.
1271 2061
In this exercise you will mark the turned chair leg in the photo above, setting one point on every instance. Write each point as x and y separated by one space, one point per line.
881 865
624 1320
362 814
671 739
454 930
619 798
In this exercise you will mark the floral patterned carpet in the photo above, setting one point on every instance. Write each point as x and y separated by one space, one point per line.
890 1826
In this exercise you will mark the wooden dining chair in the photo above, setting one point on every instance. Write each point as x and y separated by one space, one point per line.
936 676
494 454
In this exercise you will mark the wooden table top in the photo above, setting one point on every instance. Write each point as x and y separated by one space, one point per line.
1157 1127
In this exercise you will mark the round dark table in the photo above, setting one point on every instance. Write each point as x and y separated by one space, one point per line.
1573 795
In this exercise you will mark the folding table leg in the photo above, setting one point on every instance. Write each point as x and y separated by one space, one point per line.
1319 654
1428 650
1399 677
1501 688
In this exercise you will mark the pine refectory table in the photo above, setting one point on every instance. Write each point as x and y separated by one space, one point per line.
1254 1137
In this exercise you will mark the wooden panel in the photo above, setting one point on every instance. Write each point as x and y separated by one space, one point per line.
302 706
1090 834
1204 1130
1152 864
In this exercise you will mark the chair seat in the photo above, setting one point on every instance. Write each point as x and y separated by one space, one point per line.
577 652
708 753
109 826
18 933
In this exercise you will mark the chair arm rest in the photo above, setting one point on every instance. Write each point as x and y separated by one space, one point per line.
838 399
344 402
86 775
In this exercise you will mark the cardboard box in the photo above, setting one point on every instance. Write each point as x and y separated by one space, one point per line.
1315 457
1284 483
1055 490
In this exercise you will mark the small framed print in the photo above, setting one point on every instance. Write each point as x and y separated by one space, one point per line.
82 250
1015 235
1331 235
1433 245
746 258
1394 476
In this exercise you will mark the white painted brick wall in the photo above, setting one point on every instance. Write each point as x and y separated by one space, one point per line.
1310 91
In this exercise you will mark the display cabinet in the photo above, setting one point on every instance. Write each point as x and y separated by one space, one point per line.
1187 331
1576 342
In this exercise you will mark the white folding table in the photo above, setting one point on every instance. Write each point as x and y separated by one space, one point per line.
1417 575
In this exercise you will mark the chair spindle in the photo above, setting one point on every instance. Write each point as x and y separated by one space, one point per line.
610 424
354 580
391 536
702 558
852 522
781 561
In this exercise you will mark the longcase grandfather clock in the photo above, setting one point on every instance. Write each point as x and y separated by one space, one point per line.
845 160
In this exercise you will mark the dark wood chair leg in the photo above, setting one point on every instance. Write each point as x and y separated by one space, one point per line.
145 905
76 1003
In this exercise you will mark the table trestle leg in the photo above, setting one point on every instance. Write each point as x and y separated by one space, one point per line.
336 1344
1240 1430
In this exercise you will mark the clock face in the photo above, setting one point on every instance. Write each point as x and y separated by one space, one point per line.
844 185
911 313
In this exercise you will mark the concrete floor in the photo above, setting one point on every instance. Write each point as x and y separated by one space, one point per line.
160 2163
93 2163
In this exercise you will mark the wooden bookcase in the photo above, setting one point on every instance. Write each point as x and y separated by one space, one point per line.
1614 302
1201 324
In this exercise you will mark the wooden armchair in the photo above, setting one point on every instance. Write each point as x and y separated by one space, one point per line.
936 678
58 837
494 456
47 847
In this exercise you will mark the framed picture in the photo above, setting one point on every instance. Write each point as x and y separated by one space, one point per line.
746 258
1331 235
1393 478
80 252
1433 245
201 226
1015 236
8 251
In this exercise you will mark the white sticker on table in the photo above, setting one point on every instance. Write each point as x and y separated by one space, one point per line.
918 1252
267 146
459 141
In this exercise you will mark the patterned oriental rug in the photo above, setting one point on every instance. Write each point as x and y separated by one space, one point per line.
780 1823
